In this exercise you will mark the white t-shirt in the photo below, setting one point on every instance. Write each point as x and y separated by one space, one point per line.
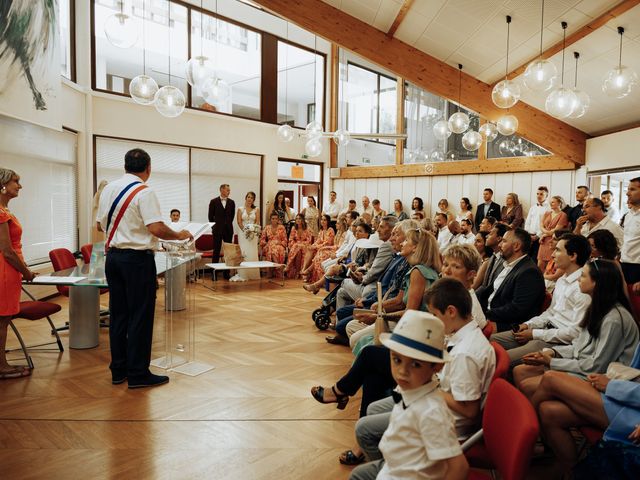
631 247
332 209
605 224
420 435
534 218
143 210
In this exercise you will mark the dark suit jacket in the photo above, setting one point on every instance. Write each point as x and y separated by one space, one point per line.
573 213
519 297
494 211
222 216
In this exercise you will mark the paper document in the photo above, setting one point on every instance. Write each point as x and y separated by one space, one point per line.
195 229
50 279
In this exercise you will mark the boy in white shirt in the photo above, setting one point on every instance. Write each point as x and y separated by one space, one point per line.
421 440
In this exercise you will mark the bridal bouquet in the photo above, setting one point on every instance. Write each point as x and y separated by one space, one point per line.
251 231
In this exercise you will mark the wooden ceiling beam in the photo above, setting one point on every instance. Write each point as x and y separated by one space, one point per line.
579 34
429 73
404 9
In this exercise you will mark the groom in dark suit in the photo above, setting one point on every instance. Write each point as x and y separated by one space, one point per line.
487 209
222 211
518 291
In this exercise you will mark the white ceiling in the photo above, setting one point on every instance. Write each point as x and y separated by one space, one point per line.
473 32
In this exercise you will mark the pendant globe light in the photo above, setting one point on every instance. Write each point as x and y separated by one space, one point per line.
169 101
561 100
583 101
199 68
472 140
489 131
506 93
120 29
541 73
143 88
459 121
620 80
507 125
441 130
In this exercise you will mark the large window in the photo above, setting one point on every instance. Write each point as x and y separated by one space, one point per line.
300 85
513 146
46 207
160 51
236 53
65 17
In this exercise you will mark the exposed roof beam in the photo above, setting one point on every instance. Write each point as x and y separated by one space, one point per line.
425 71
404 9
579 34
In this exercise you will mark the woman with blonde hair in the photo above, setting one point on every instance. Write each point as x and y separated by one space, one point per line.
511 213
13 268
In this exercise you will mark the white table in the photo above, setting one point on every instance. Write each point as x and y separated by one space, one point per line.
244 265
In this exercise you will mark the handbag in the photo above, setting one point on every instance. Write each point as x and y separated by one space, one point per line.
232 254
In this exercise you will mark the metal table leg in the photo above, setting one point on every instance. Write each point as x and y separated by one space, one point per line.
84 316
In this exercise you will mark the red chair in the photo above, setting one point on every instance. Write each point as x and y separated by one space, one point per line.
487 331
36 310
509 431
86 250
204 245
591 434
502 361
62 259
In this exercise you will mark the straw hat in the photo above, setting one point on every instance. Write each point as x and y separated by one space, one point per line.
418 335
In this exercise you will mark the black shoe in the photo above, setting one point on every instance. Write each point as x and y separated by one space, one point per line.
118 377
337 340
150 380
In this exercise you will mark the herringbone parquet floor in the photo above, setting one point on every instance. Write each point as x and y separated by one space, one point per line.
252 417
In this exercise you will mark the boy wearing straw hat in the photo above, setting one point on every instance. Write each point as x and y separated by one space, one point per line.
421 440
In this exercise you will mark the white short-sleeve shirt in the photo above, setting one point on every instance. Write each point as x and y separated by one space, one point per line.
421 434
630 252
143 210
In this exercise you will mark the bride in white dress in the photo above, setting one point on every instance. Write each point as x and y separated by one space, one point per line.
248 214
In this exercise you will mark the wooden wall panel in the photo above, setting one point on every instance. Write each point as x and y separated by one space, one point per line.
395 191
349 191
524 188
561 184
423 190
409 187
455 192
360 190
386 201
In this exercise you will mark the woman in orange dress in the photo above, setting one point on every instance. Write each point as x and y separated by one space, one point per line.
325 238
554 219
316 271
12 268
299 239
273 240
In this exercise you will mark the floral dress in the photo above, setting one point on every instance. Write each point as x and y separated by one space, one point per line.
311 216
298 242
324 253
273 242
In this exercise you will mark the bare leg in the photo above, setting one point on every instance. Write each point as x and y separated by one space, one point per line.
5 367
527 378
306 263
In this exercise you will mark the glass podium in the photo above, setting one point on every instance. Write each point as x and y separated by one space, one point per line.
175 342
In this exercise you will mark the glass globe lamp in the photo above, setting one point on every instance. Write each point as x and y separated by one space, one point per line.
441 130
314 129
452 156
506 147
313 147
560 102
505 94
120 30
198 70
458 122
472 140
215 90
170 101
143 89
436 156
540 75
489 131
619 81
341 137
411 156
581 104
421 156
507 125
285 133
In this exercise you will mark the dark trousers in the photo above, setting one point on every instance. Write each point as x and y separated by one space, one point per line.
631 272
533 251
224 234
372 372
131 276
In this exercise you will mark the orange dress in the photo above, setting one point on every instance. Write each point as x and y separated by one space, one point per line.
273 243
298 241
549 223
10 278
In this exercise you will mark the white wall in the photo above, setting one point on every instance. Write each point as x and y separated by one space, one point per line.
453 187
617 150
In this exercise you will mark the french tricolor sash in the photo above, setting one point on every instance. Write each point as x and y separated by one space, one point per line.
111 230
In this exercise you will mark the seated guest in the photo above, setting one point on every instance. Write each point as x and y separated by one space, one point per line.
443 207
366 217
347 244
560 323
511 213
453 237
428 225
351 207
609 332
366 207
326 252
174 215
417 216
465 210
595 219
565 402
362 282
325 238
466 236
487 224
603 245
462 263
480 244
378 212
483 284
552 220
398 210
552 272
444 235
464 380
273 240
417 206
421 436
299 239
518 291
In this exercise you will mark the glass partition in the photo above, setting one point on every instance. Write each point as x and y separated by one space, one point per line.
513 146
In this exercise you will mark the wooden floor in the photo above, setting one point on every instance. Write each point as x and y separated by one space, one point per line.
252 417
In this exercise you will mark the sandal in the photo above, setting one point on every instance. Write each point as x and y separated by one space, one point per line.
350 458
19 372
341 400
310 287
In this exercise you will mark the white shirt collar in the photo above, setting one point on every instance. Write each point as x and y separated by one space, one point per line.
410 396
460 334
514 262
